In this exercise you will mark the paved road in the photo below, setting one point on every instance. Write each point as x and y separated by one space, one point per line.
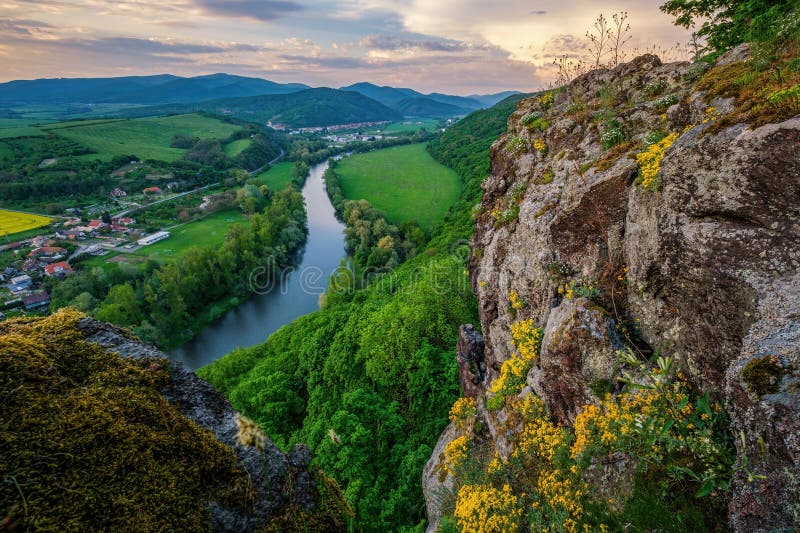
259 169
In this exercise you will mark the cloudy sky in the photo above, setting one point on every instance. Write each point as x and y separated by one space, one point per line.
456 46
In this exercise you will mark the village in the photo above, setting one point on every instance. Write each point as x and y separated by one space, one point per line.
31 266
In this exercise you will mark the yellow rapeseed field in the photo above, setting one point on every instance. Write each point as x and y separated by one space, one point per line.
14 222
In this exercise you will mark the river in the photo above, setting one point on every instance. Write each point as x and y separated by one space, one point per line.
297 294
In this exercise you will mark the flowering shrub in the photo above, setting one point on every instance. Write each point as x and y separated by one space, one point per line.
516 145
546 100
612 137
534 121
650 161
654 137
539 145
582 288
456 452
463 409
485 509
515 301
665 102
528 341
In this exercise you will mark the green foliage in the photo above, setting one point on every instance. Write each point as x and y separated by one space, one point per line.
89 442
368 380
727 23
763 375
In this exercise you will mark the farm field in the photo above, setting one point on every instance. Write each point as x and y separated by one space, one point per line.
237 147
147 138
411 125
277 176
12 222
209 231
404 182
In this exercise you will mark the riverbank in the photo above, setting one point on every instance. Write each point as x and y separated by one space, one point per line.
296 292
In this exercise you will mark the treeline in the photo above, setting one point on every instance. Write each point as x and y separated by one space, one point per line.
368 380
167 304
374 244
265 145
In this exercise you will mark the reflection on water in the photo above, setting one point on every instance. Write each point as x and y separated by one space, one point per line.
254 320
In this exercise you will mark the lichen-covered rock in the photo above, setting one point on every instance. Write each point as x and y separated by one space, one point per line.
153 445
702 265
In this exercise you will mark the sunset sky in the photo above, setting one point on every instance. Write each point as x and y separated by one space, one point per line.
455 46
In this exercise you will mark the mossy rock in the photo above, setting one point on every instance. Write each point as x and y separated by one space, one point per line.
88 441
763 375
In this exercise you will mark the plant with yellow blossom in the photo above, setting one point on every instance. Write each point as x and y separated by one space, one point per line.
650 161
486 509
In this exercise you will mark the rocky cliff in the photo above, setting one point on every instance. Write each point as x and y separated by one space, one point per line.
645 210
102 431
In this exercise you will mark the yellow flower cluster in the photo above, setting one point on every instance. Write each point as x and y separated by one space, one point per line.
540 145
456 452
528 341
463 409
546 100
485 509
515 300
541 439
561 490
626 417
650 161
711 115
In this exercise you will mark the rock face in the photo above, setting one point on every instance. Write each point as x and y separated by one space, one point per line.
270 470
704 268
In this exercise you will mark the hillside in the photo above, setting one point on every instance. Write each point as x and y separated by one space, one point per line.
101 432
367 380
426 107
311 107
636 276
164 88
411 103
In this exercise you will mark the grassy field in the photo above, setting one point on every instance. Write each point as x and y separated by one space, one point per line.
411 125
5 151
12 222
147 138
237 147
405 182
209 231
277 176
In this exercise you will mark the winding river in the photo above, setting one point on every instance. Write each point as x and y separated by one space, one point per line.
297 293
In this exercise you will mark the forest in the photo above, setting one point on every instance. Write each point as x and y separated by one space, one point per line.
367 381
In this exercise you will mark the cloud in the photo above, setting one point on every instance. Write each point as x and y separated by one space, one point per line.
23 27
263 10
393 43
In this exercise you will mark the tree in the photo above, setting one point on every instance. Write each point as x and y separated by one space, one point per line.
727 23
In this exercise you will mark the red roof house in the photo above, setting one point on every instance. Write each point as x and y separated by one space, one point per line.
59 269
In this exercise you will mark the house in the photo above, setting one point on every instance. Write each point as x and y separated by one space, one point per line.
118 193
97 224
151 190
123 221
60 269
121 229
71 234
30 265
46 251
36 300
153 238
20 283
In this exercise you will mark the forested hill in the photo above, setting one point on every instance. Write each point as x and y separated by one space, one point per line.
312 107
367 381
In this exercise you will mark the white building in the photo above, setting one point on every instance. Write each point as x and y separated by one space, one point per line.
153 238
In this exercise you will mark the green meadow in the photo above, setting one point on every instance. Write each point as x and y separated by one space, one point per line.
208 231
147 138
404 182
235 148
277 176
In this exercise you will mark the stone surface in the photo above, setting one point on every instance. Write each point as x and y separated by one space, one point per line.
706 268
271 470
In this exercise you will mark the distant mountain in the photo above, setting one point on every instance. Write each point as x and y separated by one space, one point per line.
388 96
409 102
427 107
459 101
307 108
159 89
488 100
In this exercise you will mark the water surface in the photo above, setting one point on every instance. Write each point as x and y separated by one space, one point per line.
297 294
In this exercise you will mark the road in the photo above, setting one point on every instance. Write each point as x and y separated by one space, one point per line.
169 199
259 169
